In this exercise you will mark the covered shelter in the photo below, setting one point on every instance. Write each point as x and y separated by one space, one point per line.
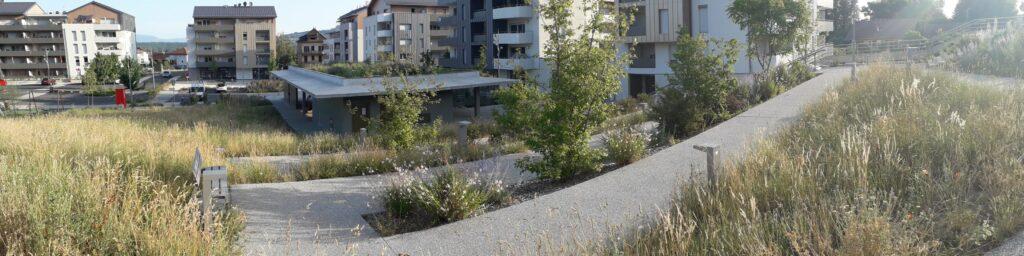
342 105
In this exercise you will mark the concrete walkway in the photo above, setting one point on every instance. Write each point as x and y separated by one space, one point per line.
325 216
308 219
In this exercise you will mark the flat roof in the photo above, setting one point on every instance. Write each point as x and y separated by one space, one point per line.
329 86
230 11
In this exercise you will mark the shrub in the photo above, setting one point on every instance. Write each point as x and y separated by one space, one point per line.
626 145
451 197
442 197
402 105
702 79
265 86
992 53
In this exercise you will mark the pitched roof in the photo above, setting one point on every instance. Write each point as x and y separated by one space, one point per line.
15 8
314 32
353 12
100 5
234 12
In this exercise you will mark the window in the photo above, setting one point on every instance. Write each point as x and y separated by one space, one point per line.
404 27
663 21
245 60
86 60
517 28
85 50
74 35
84 38
245 36
78 62
404 42
76 49
702 12
421 43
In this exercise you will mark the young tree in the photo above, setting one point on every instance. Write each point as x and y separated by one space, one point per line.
401 106
131 73
272 62
285 51
90 84
699 86
482 64
427 63
106 67
774 27
586 69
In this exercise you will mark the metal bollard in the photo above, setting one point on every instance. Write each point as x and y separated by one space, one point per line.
463 134
712 157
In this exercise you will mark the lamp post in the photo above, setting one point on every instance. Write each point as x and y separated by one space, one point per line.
853 28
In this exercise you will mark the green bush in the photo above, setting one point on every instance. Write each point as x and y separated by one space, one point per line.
626 145
444 197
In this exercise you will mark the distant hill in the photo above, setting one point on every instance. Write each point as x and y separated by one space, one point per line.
154 39
161 46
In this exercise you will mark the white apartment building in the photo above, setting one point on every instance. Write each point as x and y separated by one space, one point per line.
40 44
654 35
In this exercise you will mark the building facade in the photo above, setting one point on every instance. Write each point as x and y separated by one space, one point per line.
35 43
653 37
404 30
231 42
310 48
332 45
349 44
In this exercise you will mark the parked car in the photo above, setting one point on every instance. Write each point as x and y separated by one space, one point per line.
48 81
166 74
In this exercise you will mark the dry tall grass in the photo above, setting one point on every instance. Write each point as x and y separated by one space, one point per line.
887 166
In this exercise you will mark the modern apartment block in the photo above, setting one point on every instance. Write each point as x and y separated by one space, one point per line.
332 47
349 44
653 36
35 43
510 32
310 48
231 42
404 29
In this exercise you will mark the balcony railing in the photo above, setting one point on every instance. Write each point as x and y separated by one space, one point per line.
514 12
479 14
513 38
42 27
36 53
516 63
214 27
48 40
215 40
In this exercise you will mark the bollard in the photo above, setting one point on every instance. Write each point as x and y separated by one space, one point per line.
464 133
362 135
214 191
712 157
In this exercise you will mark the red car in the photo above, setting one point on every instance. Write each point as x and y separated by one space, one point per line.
48 81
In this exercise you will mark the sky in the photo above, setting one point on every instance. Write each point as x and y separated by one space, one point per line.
166 19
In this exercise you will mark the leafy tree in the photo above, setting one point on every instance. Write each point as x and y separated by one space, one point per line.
922 10
401 106
131 73
427 63
586 68
844 13
107 68
285 51
482 64
272 62
774 27
967 10
699 86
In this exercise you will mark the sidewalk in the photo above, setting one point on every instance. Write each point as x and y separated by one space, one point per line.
579 214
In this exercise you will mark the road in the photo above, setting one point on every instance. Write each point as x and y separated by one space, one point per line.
70 96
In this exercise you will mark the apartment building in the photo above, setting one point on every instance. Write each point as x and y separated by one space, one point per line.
35 43
231 42
653 36
310 48
349 43
404 30
332 45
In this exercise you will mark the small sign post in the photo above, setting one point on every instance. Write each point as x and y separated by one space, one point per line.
197 166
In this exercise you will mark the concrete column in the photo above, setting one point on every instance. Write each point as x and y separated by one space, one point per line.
362 135
476 105
463 133
712 161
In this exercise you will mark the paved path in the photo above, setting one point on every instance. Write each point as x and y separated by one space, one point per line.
581 213
324 216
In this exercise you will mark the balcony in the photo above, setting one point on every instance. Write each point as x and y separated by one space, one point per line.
450 21
51 40
104 39
30 53
516 12
214 27
385 33
479 38
43 27
214 40
385 17
445 32
37 65
220 64
513 38
107 27
514 63
385 48
479 15
214 52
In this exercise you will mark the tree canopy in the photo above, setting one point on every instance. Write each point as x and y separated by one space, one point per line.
967 10
844 13
774 27
285 52
131 73
701 80
923 10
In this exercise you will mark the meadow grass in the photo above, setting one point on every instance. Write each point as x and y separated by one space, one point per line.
897 164
999 53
